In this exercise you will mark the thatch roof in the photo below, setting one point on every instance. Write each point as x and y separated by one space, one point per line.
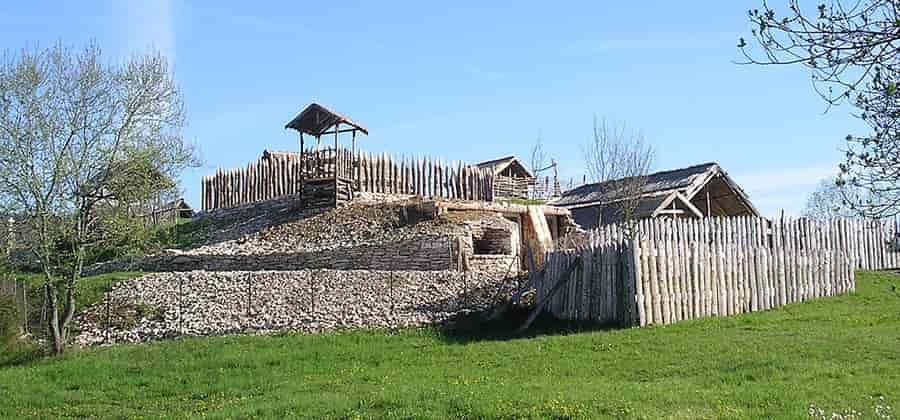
499 165
659 191
316 119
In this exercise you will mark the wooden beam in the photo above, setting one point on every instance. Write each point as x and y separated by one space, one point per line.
539 307
690 206
346 130
708 209
670 211
498 208
302 165
353 176
337 160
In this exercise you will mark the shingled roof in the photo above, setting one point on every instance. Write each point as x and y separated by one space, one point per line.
316 119
658 183
592 202
499 165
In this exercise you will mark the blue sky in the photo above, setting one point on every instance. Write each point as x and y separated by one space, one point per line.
472 82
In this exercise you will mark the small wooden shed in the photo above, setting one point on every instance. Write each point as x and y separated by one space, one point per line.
696 191
511 178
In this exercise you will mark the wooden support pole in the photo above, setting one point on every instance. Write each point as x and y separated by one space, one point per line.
337 159
353 175
302 164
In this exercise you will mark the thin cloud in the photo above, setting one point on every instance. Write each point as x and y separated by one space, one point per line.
150 25
781 179
652 42
482 73
774 190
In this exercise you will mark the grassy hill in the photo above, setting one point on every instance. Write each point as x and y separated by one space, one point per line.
833 354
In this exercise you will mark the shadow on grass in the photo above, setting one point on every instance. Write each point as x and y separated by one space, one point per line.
20 354
475 326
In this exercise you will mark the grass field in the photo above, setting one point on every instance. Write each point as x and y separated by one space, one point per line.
837 354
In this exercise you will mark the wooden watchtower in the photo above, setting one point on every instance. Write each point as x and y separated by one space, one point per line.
328 175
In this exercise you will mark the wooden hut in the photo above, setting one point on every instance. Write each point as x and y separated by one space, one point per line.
169 212
697 191
511 178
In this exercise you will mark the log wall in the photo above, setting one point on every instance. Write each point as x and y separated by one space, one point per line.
284 174
677 269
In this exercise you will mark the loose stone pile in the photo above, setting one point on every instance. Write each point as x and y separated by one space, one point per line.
201 303
349 226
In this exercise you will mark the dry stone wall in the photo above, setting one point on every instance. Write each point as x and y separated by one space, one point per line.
200 303
423 253
495 265
494 235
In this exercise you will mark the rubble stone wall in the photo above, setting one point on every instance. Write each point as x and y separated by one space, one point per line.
494 236
201 303
495 265
425 253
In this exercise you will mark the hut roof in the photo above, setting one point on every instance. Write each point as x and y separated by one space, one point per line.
659 190
657 183
501 164
316 119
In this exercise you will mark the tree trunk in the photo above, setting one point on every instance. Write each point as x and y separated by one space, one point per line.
56 334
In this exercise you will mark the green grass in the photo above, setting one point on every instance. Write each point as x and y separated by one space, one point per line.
523 201
184 234
836 353
89 290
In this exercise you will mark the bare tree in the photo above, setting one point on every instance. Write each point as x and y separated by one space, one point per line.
542 162
81 141
830 200
539 156
620 159
851 51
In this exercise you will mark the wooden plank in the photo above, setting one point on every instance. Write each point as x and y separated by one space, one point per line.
653 268
742 236
685 264
666 272
639 314
782 267
728 267
645 276
720 269
673 249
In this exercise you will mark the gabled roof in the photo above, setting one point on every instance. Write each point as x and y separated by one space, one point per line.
659 190
658 183
499 165
317 119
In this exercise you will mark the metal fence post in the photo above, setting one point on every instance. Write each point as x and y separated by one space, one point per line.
107 314
180 309
391 290
465 296
249 294
312 295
